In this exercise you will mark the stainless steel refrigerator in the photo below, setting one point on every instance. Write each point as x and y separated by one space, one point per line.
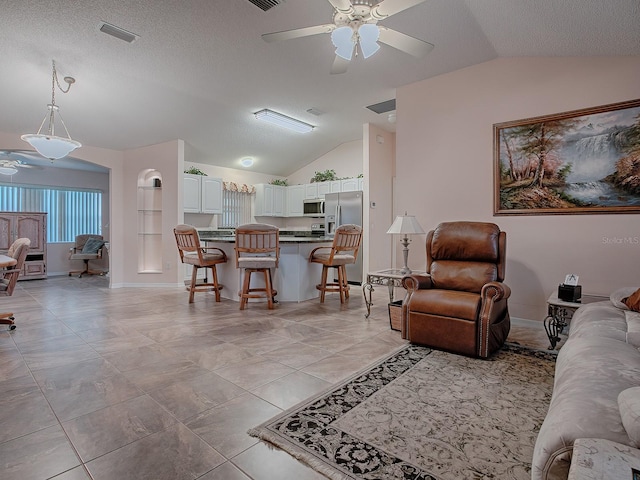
341 209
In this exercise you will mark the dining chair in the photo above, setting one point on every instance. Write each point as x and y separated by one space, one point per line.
9 275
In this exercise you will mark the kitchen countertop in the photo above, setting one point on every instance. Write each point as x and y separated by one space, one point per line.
283 239
286 236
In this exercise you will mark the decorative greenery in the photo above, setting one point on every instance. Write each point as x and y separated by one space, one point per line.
325 176
361 175
195 171
277 181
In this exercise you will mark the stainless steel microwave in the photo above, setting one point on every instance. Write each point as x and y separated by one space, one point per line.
313 207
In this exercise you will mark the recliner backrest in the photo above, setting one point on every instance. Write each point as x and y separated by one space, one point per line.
466 255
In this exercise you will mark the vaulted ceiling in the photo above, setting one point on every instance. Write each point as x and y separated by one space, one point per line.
200 69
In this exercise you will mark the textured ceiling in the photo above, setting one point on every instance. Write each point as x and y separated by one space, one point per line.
200 68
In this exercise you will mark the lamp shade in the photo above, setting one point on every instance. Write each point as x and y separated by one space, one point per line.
406 224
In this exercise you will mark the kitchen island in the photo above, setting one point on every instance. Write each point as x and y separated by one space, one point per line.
295 279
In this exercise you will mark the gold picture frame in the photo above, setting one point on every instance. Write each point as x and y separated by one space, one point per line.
579 162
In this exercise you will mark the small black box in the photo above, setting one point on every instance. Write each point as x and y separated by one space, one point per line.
569 293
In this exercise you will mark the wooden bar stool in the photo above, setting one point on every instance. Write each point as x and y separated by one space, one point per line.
193 254
344 251
257 251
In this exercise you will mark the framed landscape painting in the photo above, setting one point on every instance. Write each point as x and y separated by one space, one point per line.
578 162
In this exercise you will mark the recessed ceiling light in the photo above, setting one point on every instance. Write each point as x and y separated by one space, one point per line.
246 162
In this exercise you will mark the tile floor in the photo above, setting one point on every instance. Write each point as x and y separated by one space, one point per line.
135 383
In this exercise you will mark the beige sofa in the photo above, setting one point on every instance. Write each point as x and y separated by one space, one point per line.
600 359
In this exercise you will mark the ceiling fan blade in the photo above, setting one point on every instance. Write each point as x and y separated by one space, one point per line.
405 43
342 6
298 32
386 8
340 65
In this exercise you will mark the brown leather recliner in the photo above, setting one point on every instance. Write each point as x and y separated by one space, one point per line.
461 304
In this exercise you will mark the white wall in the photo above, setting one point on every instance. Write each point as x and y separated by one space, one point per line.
345 159
445 168
379 165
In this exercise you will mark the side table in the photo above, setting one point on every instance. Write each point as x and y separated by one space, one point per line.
560 311
390 277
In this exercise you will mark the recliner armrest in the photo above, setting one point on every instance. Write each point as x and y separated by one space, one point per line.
495 291
412 283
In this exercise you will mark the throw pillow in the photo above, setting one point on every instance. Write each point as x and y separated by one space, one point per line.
92 245
629 405
633 301
617 297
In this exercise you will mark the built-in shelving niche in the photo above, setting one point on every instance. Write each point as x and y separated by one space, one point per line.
149 221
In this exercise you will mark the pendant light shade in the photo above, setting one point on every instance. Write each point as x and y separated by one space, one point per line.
48 144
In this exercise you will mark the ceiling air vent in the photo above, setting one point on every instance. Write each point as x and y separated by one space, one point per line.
266 4
118 32
383 107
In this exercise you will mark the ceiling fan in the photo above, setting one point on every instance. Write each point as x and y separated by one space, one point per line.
10 162
355 24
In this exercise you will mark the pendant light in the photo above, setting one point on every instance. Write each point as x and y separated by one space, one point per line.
48 144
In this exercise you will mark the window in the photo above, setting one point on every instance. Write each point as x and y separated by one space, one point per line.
71 212
236 205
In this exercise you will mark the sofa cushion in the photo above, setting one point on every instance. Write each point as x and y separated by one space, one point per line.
633 328
618 296
601 320
629 405
633 301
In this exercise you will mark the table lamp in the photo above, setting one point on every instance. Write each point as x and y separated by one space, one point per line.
407 225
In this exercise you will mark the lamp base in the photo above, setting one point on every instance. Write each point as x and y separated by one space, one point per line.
405 253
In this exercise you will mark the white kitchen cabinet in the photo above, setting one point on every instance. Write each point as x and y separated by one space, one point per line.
295 201
211 195
192 188
323 189
202 194
270 200
310 190
336 186
263 206
279 201
349 185
361 184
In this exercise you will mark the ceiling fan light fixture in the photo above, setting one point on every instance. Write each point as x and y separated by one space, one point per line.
48 144
281 120
368 35
343 39
10 170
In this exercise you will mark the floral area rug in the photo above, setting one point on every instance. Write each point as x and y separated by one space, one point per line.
423 415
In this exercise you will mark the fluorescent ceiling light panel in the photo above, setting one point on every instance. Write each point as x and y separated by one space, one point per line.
118 32
283 121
